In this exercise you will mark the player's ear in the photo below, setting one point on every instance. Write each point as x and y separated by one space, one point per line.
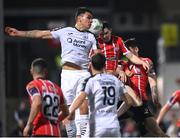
79 18
137 49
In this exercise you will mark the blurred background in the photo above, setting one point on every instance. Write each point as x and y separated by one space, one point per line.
154 23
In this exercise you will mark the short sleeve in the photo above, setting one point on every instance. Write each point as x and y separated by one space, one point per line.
56 33
32 90
173 99
86 86
122 46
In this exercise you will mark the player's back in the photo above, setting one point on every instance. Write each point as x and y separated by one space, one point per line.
46 122
103 98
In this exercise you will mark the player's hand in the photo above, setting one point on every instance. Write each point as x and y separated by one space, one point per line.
145 65
129 73
26 131
11 31
122 76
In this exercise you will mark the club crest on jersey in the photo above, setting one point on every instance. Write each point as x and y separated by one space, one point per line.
85 37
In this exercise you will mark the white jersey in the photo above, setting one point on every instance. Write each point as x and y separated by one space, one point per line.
75 45
104 91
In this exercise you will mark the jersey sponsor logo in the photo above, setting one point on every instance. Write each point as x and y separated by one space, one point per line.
106 111
77 43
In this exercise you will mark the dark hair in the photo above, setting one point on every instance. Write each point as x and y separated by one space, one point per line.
82 10
98 61
39 65
131 43
106 25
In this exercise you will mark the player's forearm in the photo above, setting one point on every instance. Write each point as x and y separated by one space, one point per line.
162 113
154 91
77 102
34 34
153 86
134 59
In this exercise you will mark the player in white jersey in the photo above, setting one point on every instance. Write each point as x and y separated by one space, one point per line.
103 91
76 43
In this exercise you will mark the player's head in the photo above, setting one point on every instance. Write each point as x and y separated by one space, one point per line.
84 17
106 32
39 68
132 45
98 61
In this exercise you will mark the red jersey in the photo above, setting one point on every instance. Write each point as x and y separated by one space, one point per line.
112 51
175 98
47 121
139 78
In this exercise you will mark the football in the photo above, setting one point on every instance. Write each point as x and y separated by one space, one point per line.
96 26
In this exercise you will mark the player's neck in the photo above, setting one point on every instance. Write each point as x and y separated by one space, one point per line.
97 72
36 77
79 27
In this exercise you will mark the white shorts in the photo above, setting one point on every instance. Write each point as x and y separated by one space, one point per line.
105 132
70 83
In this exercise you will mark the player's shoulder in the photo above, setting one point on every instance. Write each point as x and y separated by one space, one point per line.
31 84
62 28
177 92
89 78
117 38
57 87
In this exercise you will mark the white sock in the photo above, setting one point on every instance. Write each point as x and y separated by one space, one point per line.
71 129
84 125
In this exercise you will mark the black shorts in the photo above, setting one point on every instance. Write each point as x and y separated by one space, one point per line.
138 114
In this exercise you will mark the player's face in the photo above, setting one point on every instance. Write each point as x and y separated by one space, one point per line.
86 20
106 35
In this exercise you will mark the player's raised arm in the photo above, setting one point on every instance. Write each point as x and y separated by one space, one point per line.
44 34
136 60
152 79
